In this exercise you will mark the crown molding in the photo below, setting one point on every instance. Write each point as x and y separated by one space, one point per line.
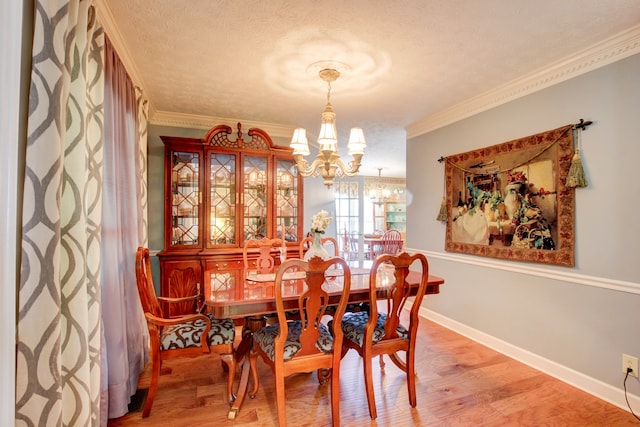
195 121
105 16
614 49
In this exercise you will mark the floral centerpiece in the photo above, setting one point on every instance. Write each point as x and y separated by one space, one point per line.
319 224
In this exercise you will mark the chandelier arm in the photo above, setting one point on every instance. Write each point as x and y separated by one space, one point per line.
348 170
323 163
311 169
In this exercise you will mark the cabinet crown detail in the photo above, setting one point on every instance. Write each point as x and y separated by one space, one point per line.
218 136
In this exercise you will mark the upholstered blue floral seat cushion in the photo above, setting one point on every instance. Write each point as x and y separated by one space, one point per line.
353 327
188 334
266 336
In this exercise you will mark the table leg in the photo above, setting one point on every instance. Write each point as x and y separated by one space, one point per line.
251 325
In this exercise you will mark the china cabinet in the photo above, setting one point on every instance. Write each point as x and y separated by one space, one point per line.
219 192
395 215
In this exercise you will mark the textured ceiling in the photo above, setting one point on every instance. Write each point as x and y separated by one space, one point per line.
401 61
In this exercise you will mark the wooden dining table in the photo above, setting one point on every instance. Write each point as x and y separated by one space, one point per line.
239 295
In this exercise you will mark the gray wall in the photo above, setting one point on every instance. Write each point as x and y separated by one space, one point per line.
580 318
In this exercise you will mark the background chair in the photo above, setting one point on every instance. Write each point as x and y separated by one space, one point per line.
390 243
270 253
349 246
307 344
187 335
327 242
376 333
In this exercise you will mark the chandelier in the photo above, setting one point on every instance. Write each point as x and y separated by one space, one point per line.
379 194
328 163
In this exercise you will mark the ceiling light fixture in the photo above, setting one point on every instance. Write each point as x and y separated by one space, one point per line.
380 193
328 163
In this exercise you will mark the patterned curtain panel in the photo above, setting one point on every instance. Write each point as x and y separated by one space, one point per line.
59 324
143 122
125 327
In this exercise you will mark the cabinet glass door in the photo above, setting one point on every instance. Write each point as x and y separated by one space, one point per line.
286 200
185 200
222 198
254 175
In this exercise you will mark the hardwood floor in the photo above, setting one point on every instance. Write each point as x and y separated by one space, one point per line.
460 383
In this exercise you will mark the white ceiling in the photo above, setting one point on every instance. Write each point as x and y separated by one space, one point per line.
202 62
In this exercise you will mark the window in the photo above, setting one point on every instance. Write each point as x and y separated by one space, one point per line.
347 213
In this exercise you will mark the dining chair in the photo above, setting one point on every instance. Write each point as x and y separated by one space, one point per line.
326 241
372 333
390 243
186 335
270 253
349 249
307 344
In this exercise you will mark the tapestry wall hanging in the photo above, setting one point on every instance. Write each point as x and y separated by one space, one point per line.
510 200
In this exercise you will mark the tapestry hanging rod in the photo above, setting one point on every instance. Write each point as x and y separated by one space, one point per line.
582 125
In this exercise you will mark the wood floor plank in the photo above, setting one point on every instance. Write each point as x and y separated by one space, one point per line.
460 383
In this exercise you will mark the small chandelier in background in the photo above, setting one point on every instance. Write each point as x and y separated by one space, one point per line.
380 193
328 163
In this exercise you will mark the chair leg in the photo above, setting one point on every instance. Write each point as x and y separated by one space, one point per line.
335 397
253 359
324 375
230 363
368 382
153 386
280 400
411 378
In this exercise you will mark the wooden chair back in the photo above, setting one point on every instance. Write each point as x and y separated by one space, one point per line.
144 280
392 271
270 253
395 269
309 331
183 281
326 241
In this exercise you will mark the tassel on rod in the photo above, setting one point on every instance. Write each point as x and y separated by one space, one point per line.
576 177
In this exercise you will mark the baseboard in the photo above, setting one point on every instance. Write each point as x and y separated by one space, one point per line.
585 383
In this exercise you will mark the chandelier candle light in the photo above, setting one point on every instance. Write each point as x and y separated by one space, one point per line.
328 163
379 194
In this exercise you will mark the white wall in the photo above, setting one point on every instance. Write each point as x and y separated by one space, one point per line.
572 322
10 62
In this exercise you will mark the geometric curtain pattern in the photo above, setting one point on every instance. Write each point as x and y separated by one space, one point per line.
143 123
59 312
